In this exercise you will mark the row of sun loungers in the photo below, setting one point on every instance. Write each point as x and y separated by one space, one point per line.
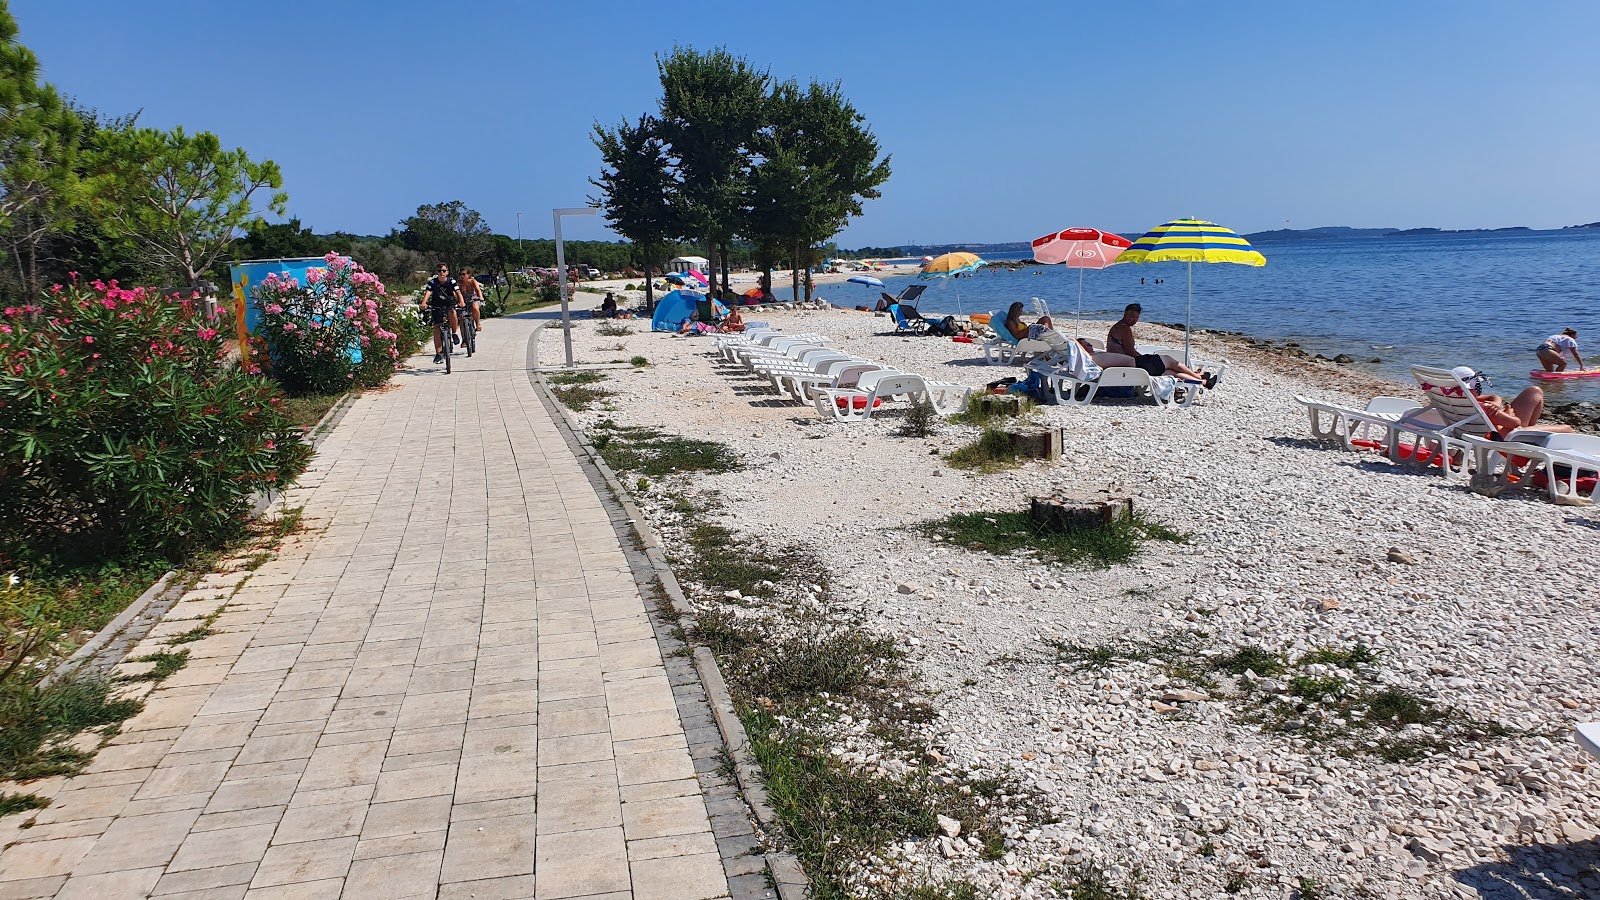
806 368
1451 431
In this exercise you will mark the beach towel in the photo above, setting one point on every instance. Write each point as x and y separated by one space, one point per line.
1163 387
1068 355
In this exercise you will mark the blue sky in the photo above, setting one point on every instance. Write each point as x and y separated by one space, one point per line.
1004 120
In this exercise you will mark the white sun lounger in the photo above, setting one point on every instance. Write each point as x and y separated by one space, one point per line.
1356 428
1588 736
1528 456
856 404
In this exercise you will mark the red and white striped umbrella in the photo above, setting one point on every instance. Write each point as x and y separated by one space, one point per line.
1080 248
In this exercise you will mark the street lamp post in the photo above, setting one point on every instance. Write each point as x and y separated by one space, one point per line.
561 271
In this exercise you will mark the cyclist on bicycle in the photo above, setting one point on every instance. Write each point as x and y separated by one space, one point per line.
472 291
442 295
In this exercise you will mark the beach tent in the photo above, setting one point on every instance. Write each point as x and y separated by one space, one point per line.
673 309
685 263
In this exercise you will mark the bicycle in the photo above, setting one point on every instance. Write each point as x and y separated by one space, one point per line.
469 329
441 332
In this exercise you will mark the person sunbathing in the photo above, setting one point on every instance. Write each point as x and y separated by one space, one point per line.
1013 323
1522 411
1153 363
734 322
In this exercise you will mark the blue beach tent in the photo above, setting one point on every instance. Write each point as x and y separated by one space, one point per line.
673 310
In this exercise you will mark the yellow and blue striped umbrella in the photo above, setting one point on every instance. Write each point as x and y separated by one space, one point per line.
1191 241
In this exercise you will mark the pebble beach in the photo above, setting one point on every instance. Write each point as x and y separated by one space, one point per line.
1154 759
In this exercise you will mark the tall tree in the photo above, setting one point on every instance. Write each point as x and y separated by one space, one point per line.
638 191
450 232
818 152
180 198
712 106
39 138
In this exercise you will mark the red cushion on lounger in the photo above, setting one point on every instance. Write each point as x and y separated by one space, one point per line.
857 402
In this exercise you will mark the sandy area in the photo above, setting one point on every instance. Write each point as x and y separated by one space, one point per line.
1484 606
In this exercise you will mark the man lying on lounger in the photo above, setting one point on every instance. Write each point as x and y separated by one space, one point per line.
1122 345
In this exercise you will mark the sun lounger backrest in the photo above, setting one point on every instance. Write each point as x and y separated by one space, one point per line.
1448 397
912 292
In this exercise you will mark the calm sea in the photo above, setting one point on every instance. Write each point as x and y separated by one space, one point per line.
1483 300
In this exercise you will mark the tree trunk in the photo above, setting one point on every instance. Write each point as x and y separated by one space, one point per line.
794 274
711 263
727 269
808 275
649 290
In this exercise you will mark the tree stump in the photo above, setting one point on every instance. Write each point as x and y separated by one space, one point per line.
1059 514
1000 404
1036 443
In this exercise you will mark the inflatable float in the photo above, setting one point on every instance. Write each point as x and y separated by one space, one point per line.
1553 376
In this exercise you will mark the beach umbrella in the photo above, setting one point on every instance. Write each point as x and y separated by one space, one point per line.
867 280
1191 241
949 266
1080 248
698 276
675 277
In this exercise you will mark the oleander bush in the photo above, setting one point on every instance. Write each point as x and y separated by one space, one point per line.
127 430
339 330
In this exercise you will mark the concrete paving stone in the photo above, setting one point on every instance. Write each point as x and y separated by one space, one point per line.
197 881
90 803
253 793
237 818
654 766
403 817
183 779
316 823
267 659
42 859
411 784
394 762
391 877
581 863
224 847
574 749
10 833
345 765
274 748
492 778
310 710
515 887
651 744
570 722
656 723
489 848
175 803
323 889
568 684
693 844
172 760
360 718
698 877
401 845
578 804
325 796
117 757
427 740
133 884
364 736
270 769
302 862
137 841
665 817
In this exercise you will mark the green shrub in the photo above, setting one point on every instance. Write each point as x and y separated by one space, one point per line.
328 334
124 429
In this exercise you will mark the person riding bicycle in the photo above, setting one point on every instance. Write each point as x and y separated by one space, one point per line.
442 295
472 291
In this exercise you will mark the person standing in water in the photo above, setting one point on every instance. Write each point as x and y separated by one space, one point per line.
1553 352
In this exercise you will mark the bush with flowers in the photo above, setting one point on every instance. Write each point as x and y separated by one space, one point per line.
126 430
339 330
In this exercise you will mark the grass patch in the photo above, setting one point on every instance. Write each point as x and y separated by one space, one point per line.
1343 657
638 362
656 454
1316 689
991 452
35 721
290 520
579 398
798 670
1005 533
609 328
167 664
1090 882
575 376
1251 659
308 411
525 297
15 803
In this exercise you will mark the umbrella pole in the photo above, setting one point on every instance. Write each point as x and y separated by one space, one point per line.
1079 320
1188 316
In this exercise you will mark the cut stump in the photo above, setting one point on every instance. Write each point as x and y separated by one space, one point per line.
1060 514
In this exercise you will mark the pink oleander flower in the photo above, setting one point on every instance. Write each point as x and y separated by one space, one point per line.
87 339
206 334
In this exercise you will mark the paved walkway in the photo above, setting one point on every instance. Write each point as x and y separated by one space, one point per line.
447 688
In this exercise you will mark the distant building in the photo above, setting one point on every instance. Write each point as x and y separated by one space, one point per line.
685 263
